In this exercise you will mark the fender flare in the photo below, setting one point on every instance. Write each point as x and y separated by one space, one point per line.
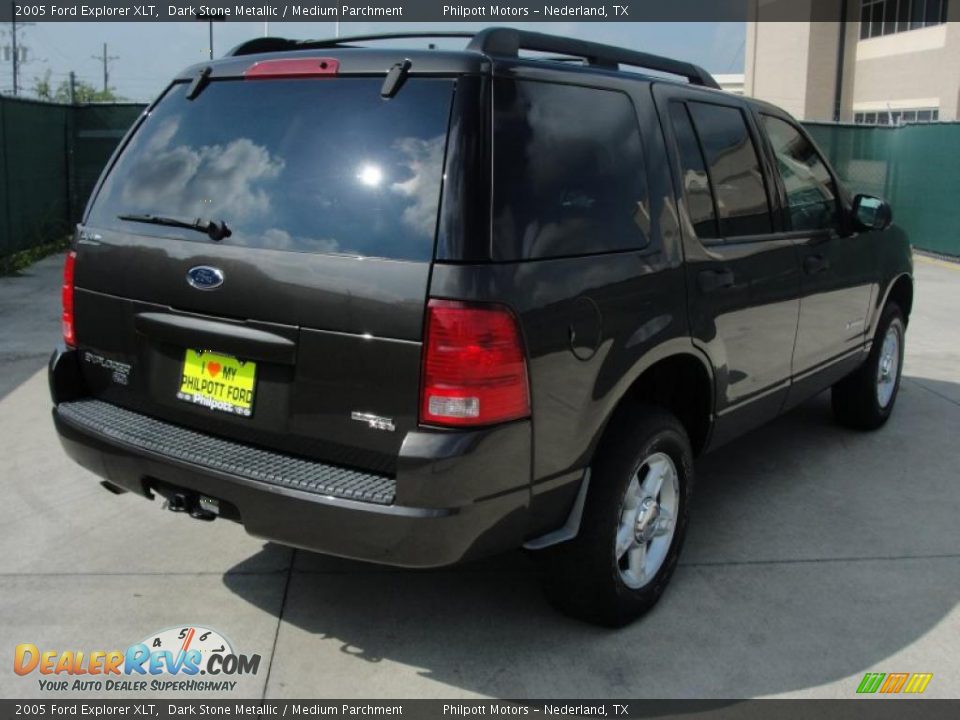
878 308
676 347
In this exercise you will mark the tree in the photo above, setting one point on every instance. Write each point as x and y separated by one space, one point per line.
41 87
84 92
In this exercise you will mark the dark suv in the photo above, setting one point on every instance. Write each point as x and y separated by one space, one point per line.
416 307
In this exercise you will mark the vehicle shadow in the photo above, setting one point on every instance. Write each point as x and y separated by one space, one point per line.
814 553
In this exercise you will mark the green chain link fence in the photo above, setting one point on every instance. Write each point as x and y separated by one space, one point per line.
50 158
916 168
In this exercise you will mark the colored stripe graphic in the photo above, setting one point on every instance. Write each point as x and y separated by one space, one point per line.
918 682
892 683
871 682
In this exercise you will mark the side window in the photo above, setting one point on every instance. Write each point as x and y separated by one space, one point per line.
568 172
811 194
696 183
734 169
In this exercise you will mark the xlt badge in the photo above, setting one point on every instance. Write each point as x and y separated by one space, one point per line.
374 421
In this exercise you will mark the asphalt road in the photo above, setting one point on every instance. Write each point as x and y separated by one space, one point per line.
815 554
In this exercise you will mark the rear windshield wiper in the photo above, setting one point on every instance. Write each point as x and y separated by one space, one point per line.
216 231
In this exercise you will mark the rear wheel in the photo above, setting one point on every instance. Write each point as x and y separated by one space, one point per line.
865 399
632 527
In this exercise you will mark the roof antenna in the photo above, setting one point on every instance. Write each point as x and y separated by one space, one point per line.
396 76
199 83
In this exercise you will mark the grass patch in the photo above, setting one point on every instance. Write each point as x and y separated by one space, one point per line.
10 264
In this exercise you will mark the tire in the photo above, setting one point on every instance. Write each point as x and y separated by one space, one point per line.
584 577
864 399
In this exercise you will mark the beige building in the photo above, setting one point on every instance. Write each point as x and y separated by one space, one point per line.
731 82
894 61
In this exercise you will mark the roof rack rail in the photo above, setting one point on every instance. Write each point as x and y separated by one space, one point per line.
508 42
276 44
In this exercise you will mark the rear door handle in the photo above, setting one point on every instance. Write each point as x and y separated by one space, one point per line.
718 279
814 264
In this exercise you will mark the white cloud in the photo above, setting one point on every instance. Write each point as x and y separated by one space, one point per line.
424 160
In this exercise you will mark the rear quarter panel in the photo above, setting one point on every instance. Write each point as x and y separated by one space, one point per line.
591 324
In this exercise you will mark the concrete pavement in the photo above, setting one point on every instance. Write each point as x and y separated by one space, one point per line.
815 554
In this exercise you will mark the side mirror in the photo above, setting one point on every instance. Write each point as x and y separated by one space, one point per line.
871 213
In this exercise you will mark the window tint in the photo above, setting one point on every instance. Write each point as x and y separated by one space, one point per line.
696 184
811 194
301 165
734 169
568 174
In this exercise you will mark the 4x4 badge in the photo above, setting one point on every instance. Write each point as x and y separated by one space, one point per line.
205 277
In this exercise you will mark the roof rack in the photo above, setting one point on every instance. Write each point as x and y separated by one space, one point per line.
508 42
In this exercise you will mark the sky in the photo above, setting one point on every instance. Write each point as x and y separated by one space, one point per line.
148 55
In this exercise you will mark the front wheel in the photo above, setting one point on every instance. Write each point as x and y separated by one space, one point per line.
632 527
865 399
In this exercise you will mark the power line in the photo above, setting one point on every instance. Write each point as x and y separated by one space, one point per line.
52 44
734 57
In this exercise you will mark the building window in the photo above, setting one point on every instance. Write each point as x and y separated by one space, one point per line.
897 117
885 17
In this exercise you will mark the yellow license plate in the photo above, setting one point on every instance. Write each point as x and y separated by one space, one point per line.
219 382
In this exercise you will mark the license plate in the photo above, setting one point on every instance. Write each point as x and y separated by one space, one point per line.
219 382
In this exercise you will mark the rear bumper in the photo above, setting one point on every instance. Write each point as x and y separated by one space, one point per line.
456 496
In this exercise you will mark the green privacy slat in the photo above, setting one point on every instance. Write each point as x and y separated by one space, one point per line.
912 167
51 158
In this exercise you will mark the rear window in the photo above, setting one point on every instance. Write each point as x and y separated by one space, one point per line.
568 177
321 166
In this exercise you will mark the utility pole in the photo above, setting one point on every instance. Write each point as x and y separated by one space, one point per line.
210 18
105 59
73 88
18 51
13 36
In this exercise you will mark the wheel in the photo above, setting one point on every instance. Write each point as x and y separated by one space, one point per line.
865 398
633 524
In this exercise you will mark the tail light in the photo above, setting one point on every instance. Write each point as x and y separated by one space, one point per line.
474 367
66 299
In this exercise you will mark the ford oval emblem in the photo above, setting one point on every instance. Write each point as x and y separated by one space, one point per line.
204 277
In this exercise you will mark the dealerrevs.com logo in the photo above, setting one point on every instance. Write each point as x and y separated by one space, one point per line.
168 661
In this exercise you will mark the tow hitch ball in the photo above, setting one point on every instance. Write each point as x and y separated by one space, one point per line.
198 506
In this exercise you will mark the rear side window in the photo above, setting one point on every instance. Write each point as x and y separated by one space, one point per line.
811 193
696 183
734 169
305 165
568 175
